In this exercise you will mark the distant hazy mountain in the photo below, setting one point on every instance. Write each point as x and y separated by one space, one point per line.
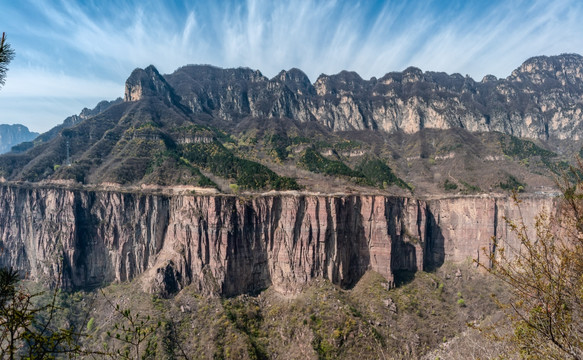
11 135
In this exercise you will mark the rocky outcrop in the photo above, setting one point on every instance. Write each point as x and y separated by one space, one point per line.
541 99
236 245
98 109
148 82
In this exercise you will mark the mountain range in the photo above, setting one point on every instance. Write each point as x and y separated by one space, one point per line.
205 126
215 127
534 101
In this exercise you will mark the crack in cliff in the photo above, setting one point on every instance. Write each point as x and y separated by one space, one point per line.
494 240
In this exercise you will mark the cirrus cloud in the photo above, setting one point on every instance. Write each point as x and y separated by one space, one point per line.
84 51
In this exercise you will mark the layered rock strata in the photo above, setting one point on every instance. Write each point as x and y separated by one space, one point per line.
233 245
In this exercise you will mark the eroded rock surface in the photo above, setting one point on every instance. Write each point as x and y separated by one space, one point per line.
541 99
235 245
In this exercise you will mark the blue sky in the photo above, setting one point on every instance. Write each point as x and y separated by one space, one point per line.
71 55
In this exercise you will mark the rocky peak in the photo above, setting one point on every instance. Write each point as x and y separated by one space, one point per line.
412 74
248 74
347 77
321 85
208 73
391 78
99 108
489 79
72 120
565 68
146 82
296 80
341 83
407 100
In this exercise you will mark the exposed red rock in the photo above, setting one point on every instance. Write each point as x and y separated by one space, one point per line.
236 245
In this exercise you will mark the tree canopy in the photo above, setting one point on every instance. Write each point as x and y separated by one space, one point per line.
6 55
544 272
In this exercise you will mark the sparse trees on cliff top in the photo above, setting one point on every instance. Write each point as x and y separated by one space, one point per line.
545 277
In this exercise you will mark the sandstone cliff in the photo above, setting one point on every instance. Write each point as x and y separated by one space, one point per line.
235 245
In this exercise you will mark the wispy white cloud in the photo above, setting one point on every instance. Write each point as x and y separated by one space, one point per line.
94 46
317 36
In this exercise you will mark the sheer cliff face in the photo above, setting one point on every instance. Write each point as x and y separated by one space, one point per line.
541 99
233 245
